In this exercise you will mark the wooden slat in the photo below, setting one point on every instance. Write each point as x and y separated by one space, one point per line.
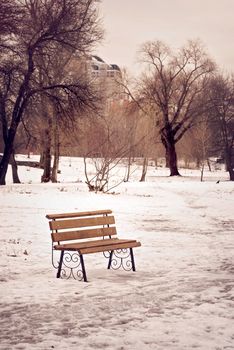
97 244
109 247
83 222
82 234
79 245
78 214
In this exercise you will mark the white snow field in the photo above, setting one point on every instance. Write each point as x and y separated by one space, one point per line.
181 296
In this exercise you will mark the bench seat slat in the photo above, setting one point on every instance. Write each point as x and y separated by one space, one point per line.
102 244
82 222
78 214
110 247
82 234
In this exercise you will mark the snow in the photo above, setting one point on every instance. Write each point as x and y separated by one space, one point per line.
181 296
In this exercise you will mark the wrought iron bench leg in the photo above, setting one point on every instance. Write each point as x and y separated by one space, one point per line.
132 259
110 259
60 264
83 268
126 262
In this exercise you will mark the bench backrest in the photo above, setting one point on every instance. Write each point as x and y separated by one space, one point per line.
81 225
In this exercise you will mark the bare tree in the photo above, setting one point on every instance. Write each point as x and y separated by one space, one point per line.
172 86
45 27
222 113
202 135
110 140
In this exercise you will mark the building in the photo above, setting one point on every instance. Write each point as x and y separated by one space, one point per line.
107 76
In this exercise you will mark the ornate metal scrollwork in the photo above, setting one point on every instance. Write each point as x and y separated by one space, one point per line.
107 254
71 266
121 258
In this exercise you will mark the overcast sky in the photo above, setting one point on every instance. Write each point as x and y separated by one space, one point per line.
129 23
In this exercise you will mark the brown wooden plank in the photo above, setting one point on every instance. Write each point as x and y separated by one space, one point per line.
94 243
82 234
99 245
78 214
113 246
82 222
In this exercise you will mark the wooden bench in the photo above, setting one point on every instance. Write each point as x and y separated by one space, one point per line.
87 233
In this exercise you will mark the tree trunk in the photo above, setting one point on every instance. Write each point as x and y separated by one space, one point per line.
208 163
231 175
4 166
168 141
128 169
156 162
144 169
55 163
198 162
167 157
46 177
14 168
7 153
171 156
229 160
173 161
54 174
41 161
202 171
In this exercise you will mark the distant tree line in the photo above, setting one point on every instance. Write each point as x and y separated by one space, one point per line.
180 106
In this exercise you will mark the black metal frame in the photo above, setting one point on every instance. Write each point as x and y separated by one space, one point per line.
117 258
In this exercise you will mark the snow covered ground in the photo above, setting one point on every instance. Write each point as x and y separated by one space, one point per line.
181 296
